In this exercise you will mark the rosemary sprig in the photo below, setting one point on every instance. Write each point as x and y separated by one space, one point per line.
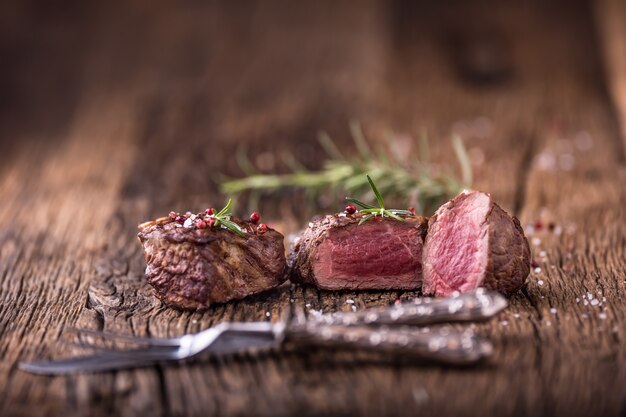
223 218
373 211
418 181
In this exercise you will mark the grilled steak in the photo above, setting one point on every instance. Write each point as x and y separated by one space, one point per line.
192 268
335 253
472 242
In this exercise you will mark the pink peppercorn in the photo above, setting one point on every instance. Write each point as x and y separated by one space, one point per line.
350 209
173 215
262 228
210 222
412 210
180 219
209 211
201 224
255 217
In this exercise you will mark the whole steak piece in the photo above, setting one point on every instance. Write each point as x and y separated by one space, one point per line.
473 243
335 253
191 268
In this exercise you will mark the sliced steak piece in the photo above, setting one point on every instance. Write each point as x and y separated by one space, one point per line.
473 243
335 253
192 268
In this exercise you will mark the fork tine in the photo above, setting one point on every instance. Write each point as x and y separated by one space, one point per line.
112 360
83 344
155 342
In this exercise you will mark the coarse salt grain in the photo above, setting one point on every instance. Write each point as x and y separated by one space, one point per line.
516 315
602 316
567 161
353 308
585 302
553 310
307 305
595 302
504 323
536 241
545 161
589 296
188 223
267 314
577 299
537 270
542 254
349 301
583 141
540 282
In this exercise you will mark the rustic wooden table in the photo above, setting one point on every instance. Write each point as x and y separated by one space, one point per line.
114 114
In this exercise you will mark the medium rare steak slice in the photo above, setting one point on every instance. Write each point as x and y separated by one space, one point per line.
192 268
473 243
335 253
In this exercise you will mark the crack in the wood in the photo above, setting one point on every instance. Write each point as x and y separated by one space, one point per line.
91 305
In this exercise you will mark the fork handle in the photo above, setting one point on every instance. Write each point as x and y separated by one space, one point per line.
473 306
459 348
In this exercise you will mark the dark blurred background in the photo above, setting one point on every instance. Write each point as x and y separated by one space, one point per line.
196 79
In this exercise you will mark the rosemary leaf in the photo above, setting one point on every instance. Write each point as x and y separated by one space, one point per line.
464 161
401 212
366 218
359 140
231 226
359 203
393 216
376 193
223 211
376 211
329 146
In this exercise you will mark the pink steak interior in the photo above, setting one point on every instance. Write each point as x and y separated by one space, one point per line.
374 255
456 248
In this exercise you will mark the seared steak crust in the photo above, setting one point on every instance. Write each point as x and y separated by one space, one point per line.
508 264
335 253
191 268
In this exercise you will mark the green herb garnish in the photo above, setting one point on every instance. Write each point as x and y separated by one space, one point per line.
417 181
372 211
223 218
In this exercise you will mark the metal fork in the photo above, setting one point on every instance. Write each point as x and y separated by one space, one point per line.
378 329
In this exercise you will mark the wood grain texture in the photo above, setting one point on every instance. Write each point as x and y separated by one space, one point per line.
148 106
